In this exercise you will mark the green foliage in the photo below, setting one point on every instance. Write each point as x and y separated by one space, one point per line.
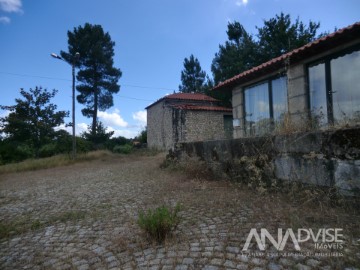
97 76
98 137
237 55
112 142
158 223
30 123
242 52
48 150
280 35
11 151
123 149
142 137
193 78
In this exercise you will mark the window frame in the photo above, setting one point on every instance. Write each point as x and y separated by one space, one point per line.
267 81
326 60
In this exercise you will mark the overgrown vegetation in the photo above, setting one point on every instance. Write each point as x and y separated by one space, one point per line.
123 149
51 162
158 223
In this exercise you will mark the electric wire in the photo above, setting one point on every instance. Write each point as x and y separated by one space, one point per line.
62 79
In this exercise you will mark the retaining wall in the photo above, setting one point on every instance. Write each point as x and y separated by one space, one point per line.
327 158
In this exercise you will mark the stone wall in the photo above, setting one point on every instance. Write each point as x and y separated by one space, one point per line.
193 126
167 126
159 126
330 158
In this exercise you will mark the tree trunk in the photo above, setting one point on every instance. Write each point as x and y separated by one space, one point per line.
94 120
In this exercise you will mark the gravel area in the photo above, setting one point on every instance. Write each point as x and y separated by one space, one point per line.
84 216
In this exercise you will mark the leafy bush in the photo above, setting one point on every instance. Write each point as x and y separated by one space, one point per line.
112 142
158 223
83 146
123 149
48 150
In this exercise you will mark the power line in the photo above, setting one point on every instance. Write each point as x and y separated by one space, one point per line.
62 79
136 98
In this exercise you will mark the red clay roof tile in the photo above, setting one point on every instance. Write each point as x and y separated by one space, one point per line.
201 108
186 96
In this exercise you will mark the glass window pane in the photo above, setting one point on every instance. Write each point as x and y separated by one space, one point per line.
317 86
345 82
257 113
280 102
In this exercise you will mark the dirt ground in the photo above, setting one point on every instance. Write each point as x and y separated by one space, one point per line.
84 216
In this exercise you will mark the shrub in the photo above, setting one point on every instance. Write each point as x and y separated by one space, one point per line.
48 150
123 149
158 223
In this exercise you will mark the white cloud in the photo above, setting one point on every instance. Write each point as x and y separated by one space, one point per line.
11 5
141 117
240 3
4 20
4 113
80 128
123 132
112 119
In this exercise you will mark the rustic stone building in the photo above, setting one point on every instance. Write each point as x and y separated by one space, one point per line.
186 117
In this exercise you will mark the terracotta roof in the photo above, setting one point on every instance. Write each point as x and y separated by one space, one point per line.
337 38
186 96
190 96
191 107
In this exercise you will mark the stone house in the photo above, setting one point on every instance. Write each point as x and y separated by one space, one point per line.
317 84
186 117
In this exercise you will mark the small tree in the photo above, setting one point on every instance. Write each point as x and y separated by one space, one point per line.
99 137
32 120
192 76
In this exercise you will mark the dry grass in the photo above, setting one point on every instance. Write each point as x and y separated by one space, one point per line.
55 161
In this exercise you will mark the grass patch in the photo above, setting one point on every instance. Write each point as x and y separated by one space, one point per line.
51 162
159 223
123 149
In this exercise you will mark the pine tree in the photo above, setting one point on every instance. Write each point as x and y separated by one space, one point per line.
97 75
192 76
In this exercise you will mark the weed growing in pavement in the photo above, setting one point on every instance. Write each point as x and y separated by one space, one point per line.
160 222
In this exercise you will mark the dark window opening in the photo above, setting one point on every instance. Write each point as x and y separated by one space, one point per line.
334 90
265 106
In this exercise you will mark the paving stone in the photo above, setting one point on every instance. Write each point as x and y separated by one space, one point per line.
274 266
108 237
300 266
210 267
217 261
312 263
181 267
229 263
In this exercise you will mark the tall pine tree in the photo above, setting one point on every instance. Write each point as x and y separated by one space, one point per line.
242 51
193 78
97 75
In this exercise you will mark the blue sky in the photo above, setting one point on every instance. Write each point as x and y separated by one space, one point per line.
152 39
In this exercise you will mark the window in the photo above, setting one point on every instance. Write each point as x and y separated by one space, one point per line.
265 105
228 126
334 90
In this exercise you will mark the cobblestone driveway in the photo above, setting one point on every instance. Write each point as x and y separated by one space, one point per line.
84 217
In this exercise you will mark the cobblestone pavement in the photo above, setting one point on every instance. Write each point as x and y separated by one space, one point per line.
84 217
